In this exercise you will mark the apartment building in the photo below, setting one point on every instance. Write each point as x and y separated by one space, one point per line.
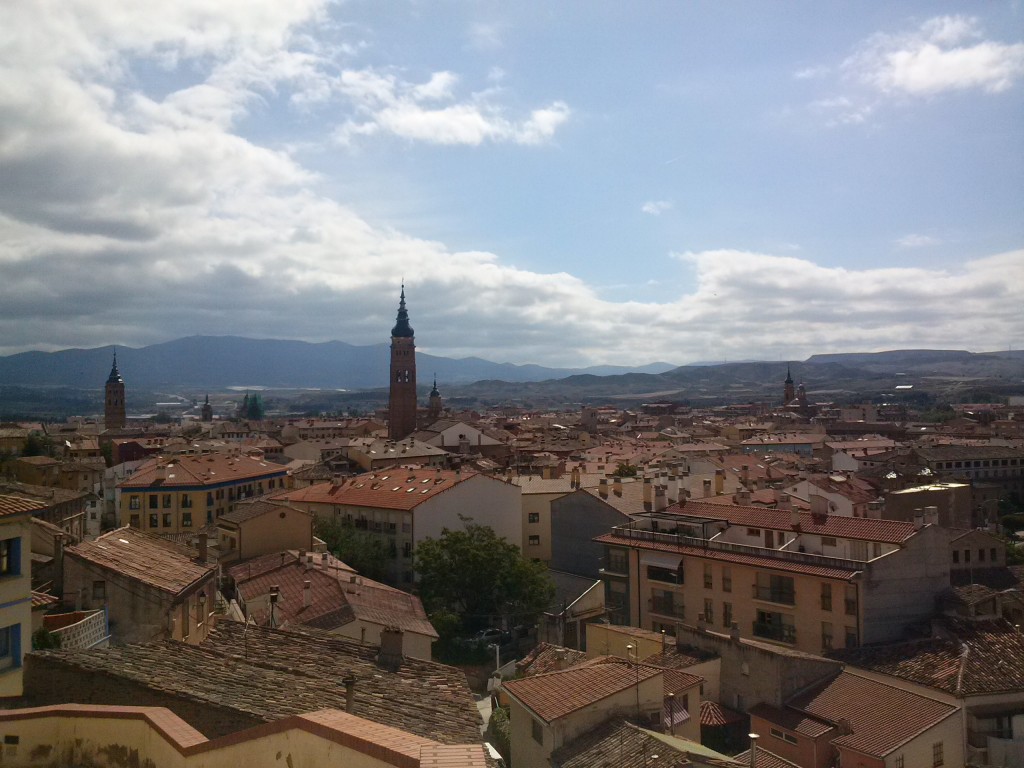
15 590
182 493
813 582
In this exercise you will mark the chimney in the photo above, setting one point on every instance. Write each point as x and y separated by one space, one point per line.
602 487
734 632
617 486
559 658
201 545
719 482
390 656
707 488
745 475
931 515
307 593
660 500
648 493
743 498
918 519
794 519
753 749
875 509
350 692
673 489
785 501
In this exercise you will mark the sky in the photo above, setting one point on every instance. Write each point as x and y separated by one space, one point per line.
564 183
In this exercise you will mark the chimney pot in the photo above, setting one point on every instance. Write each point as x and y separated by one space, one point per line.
390 656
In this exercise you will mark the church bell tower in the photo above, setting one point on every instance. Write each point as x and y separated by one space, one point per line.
113 407
402 397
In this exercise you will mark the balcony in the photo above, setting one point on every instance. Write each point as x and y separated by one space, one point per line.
664 607
780 596
782 633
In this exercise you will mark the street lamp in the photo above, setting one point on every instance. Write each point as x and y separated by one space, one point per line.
636 667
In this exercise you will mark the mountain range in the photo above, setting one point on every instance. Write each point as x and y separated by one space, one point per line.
218 362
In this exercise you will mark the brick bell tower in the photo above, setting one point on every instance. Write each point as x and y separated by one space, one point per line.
113 406
402 397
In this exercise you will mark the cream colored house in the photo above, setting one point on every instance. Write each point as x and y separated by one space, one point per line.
15 590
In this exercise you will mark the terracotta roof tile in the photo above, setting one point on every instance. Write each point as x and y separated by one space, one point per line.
396 488
15 505
546 657
206 469
894 717
270 674
557 694
143 557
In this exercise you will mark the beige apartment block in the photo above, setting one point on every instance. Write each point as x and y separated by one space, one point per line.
811 582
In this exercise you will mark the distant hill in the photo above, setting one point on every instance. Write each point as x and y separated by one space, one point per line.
217 362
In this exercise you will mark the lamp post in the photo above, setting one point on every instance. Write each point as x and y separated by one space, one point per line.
636 668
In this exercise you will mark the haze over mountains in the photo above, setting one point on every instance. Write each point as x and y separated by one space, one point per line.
218 362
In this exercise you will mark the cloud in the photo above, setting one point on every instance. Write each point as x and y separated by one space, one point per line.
917 241
133 214
656 207
389 105
945 53
812 73
485 36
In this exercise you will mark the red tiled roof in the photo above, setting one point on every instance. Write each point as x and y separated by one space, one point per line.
869 529
791 720
546 657
557 694
757 561
207 469
143 557
15 505
894 717
388 489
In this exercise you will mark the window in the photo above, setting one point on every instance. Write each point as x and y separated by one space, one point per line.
10 646
937 758
153 501
727 615
726 579
899 762
133 521
186 501
708 579
754 532
535 541
154 520
851 637
775 589
99 590
981 555
826 636
167 520
655 573
967 555
538 732
992 554
709 611
209 499
134 502
956 555
826 597
533 517
851 600
828 541
617 560
167 501
10 557
186 519
407 549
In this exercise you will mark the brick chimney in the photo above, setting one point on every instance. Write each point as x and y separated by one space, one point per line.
201 545
743 498
617 485
390 656
602 487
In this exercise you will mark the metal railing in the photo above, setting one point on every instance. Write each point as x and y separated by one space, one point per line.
780 596
783 633
665 607
677 540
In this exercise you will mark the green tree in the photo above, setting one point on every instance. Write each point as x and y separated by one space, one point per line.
625 469
363 551
36 446
481 578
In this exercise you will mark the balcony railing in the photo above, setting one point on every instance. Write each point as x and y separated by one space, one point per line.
676 540
781 596
783 633
665 607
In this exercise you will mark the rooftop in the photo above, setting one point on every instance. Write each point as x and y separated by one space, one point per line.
205 469
398 488
269 674
143 557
